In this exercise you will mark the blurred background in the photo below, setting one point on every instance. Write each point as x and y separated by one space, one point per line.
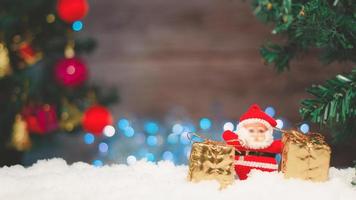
176 67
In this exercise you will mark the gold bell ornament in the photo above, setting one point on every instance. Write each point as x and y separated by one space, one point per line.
20 139
5 68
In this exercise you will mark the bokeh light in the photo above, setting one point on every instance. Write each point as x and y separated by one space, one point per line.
189 127
280 123
77 26
167 155
184 138
123 124
177 128
173 138
50 18
103 147
228 126
304 128
270 111
131 160
89 138
98 163
109 131
205 123
129 131
152 140
150 157
151 128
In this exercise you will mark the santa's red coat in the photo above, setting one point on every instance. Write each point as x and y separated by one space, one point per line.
244 164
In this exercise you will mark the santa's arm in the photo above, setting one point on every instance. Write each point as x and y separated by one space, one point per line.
276 147
230 138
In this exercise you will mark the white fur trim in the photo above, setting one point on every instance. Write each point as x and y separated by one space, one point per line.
253 120
256 164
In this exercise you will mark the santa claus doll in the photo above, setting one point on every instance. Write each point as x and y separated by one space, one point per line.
254 142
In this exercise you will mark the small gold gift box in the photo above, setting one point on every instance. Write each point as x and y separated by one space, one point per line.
305 156
211 160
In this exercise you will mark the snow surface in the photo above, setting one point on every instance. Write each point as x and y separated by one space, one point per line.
54 179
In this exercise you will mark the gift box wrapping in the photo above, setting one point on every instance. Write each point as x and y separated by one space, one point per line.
212 160
305 156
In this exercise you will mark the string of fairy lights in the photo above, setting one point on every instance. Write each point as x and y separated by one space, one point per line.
130 140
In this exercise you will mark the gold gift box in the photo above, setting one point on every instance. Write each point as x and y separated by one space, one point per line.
305 156
212 160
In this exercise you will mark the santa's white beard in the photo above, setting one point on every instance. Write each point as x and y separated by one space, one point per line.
249 142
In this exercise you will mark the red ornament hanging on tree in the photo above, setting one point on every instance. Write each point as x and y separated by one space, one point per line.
96 118
41 119
71 72
72 10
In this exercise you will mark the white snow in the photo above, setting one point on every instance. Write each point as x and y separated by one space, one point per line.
54 179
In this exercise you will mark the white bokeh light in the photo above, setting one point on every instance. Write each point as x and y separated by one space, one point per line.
177 128
109 131
131 160
228 126
304 128
279 123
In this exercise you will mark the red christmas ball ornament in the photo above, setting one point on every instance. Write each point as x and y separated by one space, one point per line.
95 118
72 10
71 72
41 119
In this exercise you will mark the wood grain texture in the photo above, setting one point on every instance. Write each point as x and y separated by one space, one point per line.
201 56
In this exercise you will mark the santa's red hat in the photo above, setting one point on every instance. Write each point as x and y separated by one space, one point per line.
255 114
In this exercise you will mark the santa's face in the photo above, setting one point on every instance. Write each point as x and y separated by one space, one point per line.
257 131
255 135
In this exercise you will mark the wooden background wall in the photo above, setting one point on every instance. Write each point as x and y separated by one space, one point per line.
198 56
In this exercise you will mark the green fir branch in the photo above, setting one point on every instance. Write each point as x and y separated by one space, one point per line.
313 24
334 104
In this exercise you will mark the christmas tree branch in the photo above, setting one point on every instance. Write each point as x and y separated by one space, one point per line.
334 104
314 24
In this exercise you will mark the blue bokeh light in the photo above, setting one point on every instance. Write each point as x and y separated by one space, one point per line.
184 138
151 128
304 128
103 147
123 124
152 140
177 128
167 155
270 111
98 163
205 123
280 123
77 26
173 138
129 132
189 127
89 138
150 157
